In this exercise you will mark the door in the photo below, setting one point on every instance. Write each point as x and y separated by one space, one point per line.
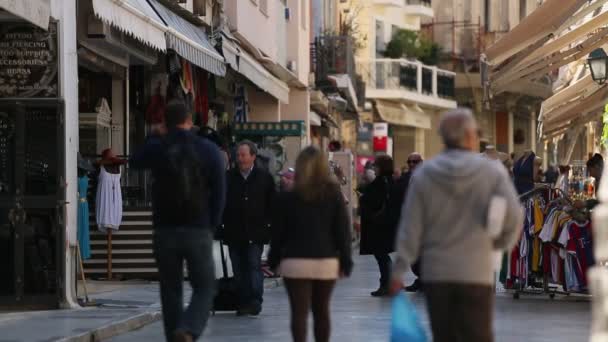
32 200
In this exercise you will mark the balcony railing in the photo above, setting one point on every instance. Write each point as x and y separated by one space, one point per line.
335 55
332 55
426 3
405 75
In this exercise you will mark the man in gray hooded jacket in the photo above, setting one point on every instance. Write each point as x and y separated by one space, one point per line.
446 213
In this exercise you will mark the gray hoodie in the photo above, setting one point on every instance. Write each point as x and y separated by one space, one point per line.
444 219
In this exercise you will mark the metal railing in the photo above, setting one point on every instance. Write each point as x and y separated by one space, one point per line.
332 55
402 74
136 186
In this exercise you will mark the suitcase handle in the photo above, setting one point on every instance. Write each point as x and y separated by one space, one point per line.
223 256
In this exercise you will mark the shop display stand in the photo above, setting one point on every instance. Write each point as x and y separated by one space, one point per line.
535 288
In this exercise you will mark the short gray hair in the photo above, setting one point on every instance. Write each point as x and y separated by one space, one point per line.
253 149
454 125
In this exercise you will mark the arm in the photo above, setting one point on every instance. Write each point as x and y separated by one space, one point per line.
342 234
514 216
217 184
271 194
410 229
146 156
278 236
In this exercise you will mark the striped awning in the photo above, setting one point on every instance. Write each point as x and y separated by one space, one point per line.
190 42
134 17
246 65
37 12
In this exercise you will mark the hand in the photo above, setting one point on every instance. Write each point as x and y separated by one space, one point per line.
395 287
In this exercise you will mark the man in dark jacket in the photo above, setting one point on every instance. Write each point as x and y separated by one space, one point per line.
247 225
186 235
414 160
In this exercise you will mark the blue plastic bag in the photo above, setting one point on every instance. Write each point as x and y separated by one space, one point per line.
405 325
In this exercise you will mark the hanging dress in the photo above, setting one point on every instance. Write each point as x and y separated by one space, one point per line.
108 206
83 218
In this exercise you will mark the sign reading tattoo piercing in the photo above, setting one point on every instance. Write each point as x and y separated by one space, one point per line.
28 61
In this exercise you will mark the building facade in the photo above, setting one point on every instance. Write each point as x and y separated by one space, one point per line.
403 95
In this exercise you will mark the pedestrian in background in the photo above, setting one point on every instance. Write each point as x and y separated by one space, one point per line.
378 221
414 161
444 223
188 199
247 218
311 243
287 179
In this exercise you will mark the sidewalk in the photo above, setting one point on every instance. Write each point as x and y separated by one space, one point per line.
121 307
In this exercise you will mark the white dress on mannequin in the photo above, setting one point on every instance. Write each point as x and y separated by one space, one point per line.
108 206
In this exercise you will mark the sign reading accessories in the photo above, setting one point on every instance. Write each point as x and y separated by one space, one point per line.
28 61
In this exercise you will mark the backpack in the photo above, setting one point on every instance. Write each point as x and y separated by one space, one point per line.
183 190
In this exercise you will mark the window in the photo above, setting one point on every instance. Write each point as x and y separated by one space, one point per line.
200 8
303 11
487 15
264 7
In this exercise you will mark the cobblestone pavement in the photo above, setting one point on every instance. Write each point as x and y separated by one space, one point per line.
359 317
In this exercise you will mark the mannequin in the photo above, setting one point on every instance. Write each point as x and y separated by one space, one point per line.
109 199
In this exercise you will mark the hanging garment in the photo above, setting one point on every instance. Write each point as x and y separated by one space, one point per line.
83 218
109 201
155 113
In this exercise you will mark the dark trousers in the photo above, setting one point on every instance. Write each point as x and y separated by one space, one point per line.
385 265
247 267
460 312
304 295
172 246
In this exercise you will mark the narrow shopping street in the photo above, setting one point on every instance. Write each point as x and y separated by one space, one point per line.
359 317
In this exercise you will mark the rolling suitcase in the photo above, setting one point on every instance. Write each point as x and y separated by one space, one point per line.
226 298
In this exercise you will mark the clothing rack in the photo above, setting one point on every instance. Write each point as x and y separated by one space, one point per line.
528 280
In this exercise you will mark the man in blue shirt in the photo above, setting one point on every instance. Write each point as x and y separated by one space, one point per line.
184 234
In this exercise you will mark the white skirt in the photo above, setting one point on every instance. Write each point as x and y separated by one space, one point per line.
316 269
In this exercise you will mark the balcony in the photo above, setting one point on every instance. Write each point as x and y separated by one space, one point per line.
410 81
420 8
393 3
333 63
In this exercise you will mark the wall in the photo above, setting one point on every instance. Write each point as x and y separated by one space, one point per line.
259 30
262 106
367 12
298 38
65 12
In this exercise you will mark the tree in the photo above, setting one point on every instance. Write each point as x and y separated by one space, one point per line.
409 44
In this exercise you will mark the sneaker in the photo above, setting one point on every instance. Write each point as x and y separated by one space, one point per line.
381 292
181 336
249 310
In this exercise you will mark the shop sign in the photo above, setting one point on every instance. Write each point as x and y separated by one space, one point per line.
380 136
28 61
365 132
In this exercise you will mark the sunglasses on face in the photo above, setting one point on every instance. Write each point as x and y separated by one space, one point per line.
414 162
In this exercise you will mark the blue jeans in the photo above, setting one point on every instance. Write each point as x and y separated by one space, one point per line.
247 267
173 245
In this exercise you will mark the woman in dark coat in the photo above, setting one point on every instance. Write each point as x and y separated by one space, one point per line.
379 219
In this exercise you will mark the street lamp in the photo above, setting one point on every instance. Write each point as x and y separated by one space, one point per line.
598 63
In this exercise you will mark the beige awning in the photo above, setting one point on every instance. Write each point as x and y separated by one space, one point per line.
402 115
570 95
586 106
543 22
37 12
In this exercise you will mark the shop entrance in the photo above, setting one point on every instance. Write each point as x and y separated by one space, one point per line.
32 200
